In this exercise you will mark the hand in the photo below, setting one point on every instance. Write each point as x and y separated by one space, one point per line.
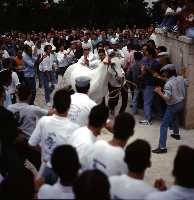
44 56
158 90
160 184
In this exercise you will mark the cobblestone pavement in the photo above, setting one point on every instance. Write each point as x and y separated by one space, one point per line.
161 164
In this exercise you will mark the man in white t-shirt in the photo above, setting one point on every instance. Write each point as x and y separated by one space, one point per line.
66 165
84 137
183 172
109 156
25 114
132 185
53 131
81 104
63 60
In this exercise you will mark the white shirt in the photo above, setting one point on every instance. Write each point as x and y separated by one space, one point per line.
5 54
29 43
14 83
56 191
50 132
174 193
37 52
88 44
91 57
47 63
27 116
80 108
62 59
169 11
83 139
125 187
107 158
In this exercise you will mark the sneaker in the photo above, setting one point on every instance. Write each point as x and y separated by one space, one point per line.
145 122
159 150
176 136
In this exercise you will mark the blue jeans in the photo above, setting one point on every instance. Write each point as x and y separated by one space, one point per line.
46 78
148 94
135 100
31 83
170 119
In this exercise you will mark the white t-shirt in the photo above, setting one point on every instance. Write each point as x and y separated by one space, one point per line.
47 63
27 116
14 83
125 187
5 54
83 139
80 108
174 193
62 59
50 132
56 191
29 43
107 158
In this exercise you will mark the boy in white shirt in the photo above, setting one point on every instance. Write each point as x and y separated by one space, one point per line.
183 172
132 186
84 137
65 164
81 104
53 131
109 156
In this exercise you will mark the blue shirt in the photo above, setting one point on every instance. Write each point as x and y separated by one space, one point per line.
29 70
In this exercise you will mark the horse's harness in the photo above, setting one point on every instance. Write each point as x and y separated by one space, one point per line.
125 83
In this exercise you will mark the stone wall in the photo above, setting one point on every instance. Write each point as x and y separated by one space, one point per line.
181 51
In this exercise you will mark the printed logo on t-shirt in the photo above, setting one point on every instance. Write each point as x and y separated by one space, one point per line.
51 141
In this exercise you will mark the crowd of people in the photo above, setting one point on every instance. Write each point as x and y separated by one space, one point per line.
55 153
179 16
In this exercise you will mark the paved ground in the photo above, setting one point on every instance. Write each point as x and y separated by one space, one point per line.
161 164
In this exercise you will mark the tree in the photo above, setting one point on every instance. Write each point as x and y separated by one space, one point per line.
40 14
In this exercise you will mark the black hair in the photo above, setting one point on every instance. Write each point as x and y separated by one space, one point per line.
5 77
92 184
18 185
83 90
151 51
101 51
26 47
2 91
65 163
62 101
24 92
138 56
184 167
98 116
8 63
47 47
152 42
162 49
124 126
170 73
137 156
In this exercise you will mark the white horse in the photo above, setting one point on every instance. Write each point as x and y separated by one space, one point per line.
99 77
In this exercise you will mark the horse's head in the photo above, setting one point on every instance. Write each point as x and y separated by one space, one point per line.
115 69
